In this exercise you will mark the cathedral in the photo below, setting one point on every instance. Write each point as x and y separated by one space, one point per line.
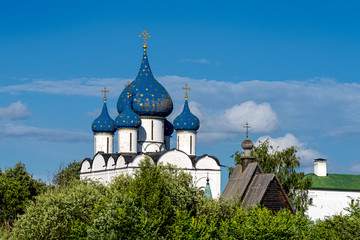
143 130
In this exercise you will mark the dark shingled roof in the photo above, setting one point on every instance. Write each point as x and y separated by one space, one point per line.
258 188
252 185
239 181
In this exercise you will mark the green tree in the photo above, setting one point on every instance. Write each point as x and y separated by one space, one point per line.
145 204
67 174
284 164
17 187
60 213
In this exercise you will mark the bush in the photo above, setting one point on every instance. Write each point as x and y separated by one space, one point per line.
62 213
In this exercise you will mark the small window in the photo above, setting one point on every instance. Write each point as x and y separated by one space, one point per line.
130 142
152 130
311 201
190 145
107 145
352 202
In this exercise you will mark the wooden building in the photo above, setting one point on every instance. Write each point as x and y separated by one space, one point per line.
248 183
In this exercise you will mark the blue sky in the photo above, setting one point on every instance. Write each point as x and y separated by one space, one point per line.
289 68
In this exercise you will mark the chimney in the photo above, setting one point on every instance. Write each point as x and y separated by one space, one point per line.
320 167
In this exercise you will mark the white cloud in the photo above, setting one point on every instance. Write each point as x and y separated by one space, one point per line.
230 122
14 111
43 134
261 117
201 60
306 155
80 86
355 169
315 105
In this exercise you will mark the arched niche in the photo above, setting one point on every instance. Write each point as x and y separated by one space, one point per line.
176 158
207 162
152 147
120 162
98 163
85 166
111 163
136 161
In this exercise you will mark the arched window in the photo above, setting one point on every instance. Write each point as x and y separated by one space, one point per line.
130 142
190 144
311 201
107 144
152 130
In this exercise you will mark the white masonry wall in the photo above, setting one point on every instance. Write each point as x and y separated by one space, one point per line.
205 166
329 202
127 140
104 142
151 135
186 141
320 168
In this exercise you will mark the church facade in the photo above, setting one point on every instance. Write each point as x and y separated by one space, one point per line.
143 131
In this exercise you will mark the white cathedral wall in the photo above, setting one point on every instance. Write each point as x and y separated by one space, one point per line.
186 141
207 162
85 167
151 135
120 163
200 176
127 140
104 142
329 202
98 163
177 158
136 161
205 167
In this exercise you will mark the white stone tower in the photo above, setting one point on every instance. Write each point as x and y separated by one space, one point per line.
127 123
104 128
186 126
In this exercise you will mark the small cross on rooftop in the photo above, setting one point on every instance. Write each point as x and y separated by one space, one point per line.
145 36
105 91
247 126
186 91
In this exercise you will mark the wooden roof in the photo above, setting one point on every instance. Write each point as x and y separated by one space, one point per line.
253 187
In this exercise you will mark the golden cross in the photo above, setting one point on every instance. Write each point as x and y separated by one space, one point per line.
247 126
186 89
145 36
128 88
105 91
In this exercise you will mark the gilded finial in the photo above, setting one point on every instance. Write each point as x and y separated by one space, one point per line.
186 91
247 126
145 36
104 91
128 88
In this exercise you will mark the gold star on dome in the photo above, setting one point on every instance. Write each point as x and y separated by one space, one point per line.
128 88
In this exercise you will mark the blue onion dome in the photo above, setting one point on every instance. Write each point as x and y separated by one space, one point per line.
186 121
168 128
128 118
150 98
104 123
